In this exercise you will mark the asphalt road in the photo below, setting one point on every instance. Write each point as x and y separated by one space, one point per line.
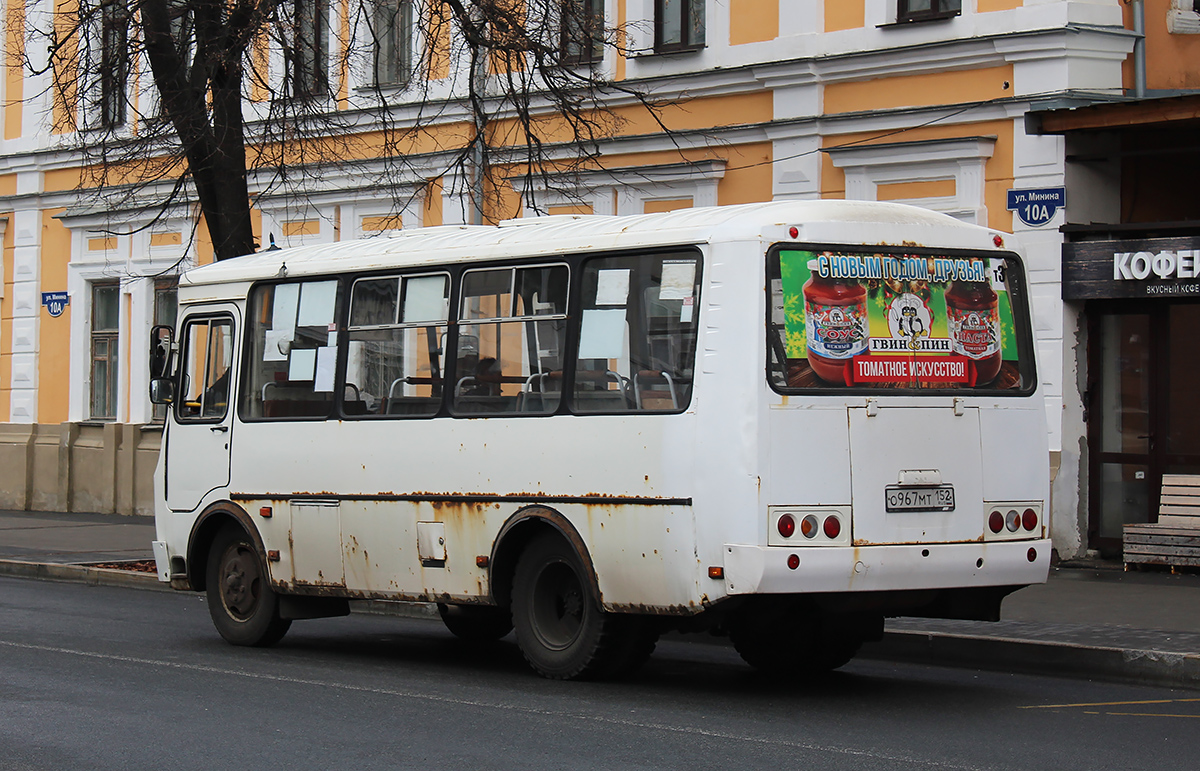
108 678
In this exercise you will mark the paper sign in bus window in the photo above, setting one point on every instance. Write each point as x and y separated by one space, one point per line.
326 363
678 280
283 311
302 363
317 303
612 287
276 344
603 334
425 300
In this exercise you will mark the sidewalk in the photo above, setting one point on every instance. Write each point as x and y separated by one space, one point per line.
1089 621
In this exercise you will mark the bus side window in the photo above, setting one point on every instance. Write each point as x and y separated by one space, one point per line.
511 333
637 340
208 355
293 350
396 339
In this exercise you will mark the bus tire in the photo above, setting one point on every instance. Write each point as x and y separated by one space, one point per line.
795 647
562 631
476 623
636 638
243 606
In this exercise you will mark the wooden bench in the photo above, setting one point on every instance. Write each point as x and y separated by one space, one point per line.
1174 540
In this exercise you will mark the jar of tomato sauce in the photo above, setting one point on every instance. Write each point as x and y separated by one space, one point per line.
835 313
973 315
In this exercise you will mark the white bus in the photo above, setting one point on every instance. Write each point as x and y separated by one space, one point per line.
783 422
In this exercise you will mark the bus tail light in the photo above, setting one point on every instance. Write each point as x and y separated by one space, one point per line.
1013 520
809 526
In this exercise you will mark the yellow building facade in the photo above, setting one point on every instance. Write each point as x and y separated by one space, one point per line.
917 101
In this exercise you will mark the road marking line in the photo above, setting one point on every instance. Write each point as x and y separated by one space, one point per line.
1148 714
686 730
1108 704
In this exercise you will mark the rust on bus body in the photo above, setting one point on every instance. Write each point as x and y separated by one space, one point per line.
466 540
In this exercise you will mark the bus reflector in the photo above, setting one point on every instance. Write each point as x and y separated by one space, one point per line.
793 561
1032 555
265 512
786 525
716 572
833 527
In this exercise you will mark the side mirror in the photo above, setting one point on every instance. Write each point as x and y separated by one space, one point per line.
162 390
162 341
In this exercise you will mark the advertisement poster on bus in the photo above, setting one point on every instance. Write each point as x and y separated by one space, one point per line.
897 321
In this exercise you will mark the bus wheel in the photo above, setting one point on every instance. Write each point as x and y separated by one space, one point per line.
476 623
796 646
244 608
563 632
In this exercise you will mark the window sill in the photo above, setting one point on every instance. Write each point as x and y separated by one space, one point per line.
670 51
384 88
920 20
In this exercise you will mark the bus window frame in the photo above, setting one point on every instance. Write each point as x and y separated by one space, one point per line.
678 251
1018 292
340 314
345 329
185 349
458 297
575 263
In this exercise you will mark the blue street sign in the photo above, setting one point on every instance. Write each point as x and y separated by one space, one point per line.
56 302
1036 207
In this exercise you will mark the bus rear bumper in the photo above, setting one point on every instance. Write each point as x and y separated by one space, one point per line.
766 569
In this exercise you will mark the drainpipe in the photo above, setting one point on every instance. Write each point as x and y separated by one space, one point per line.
1139 49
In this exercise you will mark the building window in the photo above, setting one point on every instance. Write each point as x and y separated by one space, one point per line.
927 10
106 302
166 312
678 25
391 32
582 31
309 66
114 62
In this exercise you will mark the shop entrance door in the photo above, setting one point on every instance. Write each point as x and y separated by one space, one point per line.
1143 410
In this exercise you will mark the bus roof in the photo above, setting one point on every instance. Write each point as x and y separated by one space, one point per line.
822 221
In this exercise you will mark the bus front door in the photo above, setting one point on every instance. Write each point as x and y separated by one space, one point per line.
197 442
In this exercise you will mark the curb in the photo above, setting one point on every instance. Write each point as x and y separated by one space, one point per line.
931 648
48 571
1041 657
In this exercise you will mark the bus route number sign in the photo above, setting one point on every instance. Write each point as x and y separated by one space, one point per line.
937 498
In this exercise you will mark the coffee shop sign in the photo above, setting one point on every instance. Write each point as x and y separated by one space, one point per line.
1137 266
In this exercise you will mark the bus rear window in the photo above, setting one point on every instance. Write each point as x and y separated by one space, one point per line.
897 321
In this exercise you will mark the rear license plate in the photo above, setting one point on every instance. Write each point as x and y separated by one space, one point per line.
939 498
